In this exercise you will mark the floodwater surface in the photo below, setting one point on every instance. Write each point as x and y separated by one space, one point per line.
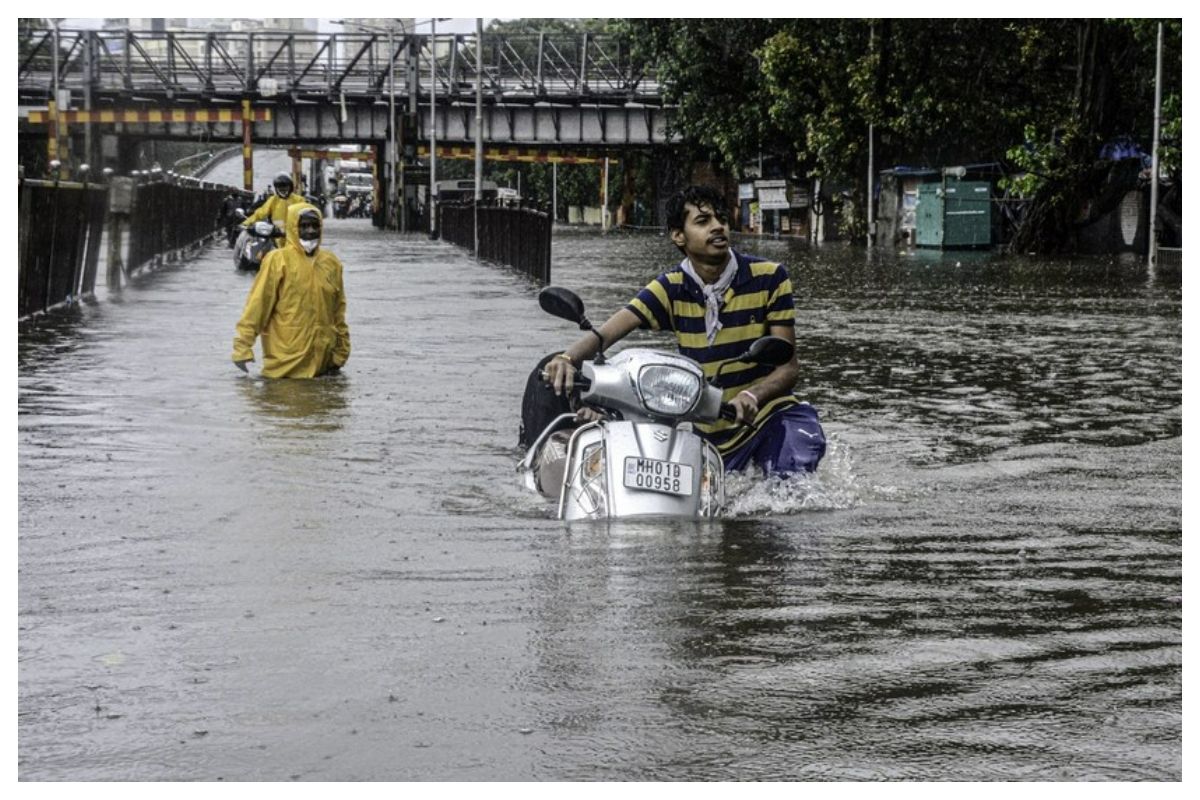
222 577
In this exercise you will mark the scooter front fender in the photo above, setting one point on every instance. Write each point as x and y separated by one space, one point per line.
594 483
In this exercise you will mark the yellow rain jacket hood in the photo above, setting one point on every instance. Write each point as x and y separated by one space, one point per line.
275 209
298 306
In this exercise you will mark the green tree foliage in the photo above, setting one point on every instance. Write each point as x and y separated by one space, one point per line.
1040 96
1099 86
711 70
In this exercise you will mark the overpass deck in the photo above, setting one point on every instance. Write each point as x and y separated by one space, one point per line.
581 90
528 68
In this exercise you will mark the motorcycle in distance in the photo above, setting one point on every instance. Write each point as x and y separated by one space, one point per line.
645 458
253 244
341 205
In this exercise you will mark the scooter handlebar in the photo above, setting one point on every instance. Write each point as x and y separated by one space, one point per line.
581 383
728 412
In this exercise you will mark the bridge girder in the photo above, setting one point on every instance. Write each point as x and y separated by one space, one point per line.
119 66
578 90
598 128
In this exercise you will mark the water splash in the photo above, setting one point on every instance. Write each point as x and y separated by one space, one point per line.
833 487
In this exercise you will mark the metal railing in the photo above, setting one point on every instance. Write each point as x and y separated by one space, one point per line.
582 68
59 228
517 237
61 225
169 217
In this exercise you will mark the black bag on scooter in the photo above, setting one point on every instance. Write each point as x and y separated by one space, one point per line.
540 405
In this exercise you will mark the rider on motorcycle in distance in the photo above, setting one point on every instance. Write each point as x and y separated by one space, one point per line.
277 205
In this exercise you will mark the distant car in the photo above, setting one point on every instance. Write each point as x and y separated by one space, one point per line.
360 183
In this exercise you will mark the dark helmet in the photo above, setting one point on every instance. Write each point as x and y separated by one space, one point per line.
282 180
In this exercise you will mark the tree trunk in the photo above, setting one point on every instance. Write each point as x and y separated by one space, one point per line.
1058 210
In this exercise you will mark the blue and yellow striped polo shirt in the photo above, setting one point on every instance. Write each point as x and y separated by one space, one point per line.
759 297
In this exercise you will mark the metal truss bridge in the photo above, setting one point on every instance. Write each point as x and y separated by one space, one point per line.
580 91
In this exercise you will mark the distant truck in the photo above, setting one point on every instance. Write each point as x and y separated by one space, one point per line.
359 183
464 190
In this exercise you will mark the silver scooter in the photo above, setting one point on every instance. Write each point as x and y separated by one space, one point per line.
646 459
253 244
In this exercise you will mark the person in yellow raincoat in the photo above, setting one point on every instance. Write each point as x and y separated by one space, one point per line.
297 304
276 207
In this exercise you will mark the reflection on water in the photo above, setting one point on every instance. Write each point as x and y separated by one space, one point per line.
227 577
317 404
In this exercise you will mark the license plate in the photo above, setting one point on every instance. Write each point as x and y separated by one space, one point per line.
658 476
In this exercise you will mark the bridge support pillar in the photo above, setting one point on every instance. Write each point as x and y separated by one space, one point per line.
669 177
116 265
125 153
628 174
247 146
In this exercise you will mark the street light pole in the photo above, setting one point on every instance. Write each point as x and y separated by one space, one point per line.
433 128
391 181
1152 247
478 125
55 128
871 169
393 197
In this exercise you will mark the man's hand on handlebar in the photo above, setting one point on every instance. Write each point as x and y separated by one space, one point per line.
560 374
746 406
589 414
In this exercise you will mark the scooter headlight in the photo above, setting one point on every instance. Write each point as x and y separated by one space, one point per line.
668 390
712 483
592 490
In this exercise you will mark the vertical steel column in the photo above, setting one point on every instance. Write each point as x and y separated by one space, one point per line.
1152 246
541 87
248 118
390 204
604 199
89 78
871 168
412 63
433 128
52 139
478 125
54 145
247 150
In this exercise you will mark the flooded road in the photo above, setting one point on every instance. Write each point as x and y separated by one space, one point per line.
226 578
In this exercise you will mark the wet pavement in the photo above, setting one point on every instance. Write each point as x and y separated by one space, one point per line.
222 577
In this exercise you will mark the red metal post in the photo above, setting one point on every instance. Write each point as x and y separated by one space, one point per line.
247 150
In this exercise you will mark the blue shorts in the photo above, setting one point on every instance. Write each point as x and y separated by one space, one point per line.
791 440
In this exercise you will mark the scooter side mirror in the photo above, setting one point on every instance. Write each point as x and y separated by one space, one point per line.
562 303
565 304
770 350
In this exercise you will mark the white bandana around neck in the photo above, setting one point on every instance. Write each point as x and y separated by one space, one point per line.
714 293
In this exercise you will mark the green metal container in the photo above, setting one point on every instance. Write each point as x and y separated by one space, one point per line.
954 214
931 227
968 214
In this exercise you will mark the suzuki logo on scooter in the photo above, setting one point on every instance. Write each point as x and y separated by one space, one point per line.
662 436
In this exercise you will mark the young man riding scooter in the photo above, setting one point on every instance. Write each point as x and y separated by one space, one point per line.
716 301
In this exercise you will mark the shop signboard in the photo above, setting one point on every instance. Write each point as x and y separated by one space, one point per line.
772 195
